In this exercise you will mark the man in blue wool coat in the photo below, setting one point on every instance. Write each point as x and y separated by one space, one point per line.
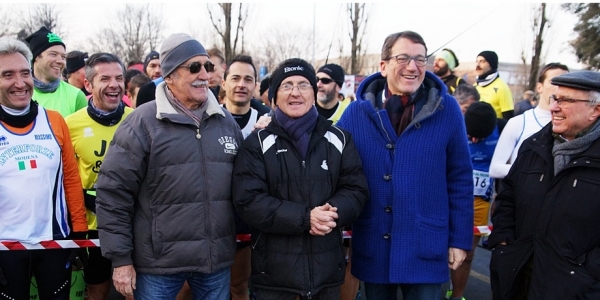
411 137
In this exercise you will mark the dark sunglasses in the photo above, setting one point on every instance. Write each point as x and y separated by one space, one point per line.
196 66
325 80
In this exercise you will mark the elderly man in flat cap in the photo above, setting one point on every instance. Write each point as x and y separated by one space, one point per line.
546 225
164 208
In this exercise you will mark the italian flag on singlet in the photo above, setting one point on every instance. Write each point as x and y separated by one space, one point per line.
27 164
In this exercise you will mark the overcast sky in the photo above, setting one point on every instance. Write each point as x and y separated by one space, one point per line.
504 28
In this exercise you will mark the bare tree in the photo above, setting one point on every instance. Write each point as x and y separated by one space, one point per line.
540 23
345 60
42 14
139 30
6 21
224 25
358 24
108 40
277 45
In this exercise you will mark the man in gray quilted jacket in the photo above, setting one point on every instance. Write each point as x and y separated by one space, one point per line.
164 206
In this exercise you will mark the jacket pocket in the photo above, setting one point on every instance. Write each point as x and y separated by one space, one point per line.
157 244
592 263
361 230
432 238
259 252
506 262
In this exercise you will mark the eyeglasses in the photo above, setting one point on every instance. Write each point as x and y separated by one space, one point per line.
302 87
561 101
325 80
403 59
196 66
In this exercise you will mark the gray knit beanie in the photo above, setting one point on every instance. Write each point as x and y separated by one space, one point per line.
177 49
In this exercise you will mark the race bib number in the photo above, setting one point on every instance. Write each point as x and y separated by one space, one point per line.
481 182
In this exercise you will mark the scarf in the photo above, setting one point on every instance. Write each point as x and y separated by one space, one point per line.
563 150
196 115
105 118
46 87
20 121
400 109
487 78
299 129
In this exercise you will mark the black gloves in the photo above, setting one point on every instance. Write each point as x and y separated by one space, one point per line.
79 256
90 200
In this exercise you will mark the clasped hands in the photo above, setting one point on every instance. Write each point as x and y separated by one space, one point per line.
322 219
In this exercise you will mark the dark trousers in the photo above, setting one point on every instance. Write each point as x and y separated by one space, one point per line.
523 280
50 267
332 293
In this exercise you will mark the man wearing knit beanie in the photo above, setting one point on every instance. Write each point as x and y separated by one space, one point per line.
292 67
147 92
152 65
491 87
330 79
75 71
172 164
483 133
51 92
303 155
443 67
264 90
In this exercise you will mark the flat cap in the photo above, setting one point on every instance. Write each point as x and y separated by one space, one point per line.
582 80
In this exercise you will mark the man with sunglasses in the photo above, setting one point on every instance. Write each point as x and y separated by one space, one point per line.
411 137
163 203
550 196
330 79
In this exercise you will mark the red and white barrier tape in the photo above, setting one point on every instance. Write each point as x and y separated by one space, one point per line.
483 230
56 244
63 244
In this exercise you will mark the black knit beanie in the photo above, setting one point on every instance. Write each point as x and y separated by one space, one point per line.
334 71
480 120
75 61
152 55
264 84
291 67
491 57
42 40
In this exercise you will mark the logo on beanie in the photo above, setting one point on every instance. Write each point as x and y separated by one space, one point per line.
53 38
291 69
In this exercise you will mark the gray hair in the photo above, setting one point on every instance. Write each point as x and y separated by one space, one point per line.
594 98
100 58
10 45
465 91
